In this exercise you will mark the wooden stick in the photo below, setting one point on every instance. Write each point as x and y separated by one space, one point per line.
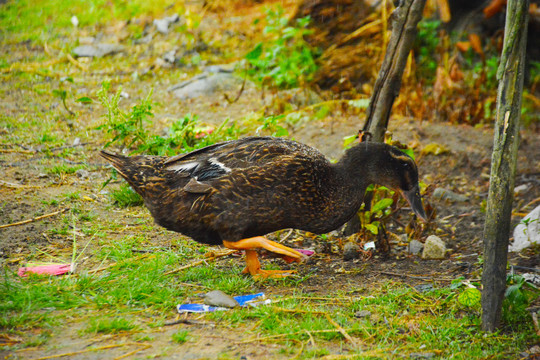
287 334
34 219
340 329
83 351
17 186
7 151
146 346
115 263
213 257
535 322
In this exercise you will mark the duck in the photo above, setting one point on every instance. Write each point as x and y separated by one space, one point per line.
236 192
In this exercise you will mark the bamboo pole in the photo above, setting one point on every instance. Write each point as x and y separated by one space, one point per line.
404 28
503 162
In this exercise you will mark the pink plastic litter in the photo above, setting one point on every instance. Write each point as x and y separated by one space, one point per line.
305 252
57 269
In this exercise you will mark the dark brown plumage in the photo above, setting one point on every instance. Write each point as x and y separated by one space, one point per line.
234 192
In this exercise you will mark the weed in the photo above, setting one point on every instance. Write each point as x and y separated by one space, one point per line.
270 125
109 325
181 336
126 129
425 46
64 169
129 130
519 294
125 196
286 60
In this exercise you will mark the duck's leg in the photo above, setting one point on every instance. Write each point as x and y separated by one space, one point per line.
252 260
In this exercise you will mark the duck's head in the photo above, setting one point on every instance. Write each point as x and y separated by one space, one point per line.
403 175
382 164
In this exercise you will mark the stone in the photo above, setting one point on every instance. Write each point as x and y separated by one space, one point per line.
162 25
426 355
434 248
81 173
362 314
350 251
527 232
97 50
521 189
445 194
220 299
206 84
415 247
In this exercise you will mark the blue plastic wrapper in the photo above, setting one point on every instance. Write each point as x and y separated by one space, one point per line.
243 300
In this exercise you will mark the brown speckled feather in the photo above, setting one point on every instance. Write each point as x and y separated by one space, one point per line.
256 185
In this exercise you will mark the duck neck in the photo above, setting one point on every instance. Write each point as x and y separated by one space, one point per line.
359 165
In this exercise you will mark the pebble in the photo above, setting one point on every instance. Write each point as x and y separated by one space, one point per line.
220 299
162 25
445 194
422 288
81 173
527 232
521 189
434 248
206 84
350 251
97 50
426 355
362 314
415 247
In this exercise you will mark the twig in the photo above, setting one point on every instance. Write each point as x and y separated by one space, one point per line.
76 63
34 219
16 151
186 321
83 351
287 334
340 329
419 277
115 263
296 311
535 322
17 186
311 339
146 346
213 257
239 92
70 146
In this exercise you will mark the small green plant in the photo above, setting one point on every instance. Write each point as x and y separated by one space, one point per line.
65 169
519 294
271 125
382 200
109 325
286 60
127 129
425 47
489 68
181 336
125 196
62 95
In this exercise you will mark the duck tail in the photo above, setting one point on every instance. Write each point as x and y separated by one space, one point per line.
117 161
128 168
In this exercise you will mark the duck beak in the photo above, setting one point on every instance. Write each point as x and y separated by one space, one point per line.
415 201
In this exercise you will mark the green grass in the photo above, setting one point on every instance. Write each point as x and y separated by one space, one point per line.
43 20
402 321
125 197
109 325
181 336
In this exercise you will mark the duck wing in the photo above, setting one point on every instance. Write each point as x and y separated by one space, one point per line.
205 166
